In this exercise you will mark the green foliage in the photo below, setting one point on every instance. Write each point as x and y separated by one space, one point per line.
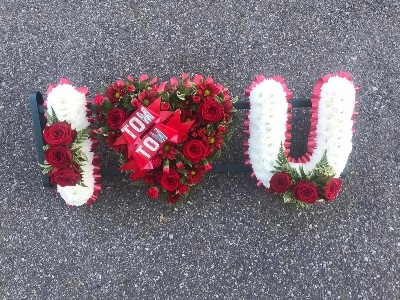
82 184
46 168
184 159
181 95
51 116
215 156
293 203
320 176
322 172
235 99
81 136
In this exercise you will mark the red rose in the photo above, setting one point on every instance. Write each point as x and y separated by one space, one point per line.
65 177
280 182
59 133
58 156
194 150
115 118
153 192
170 181
332 189
306 191
210 111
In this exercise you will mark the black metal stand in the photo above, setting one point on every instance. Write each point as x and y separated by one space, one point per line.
39 123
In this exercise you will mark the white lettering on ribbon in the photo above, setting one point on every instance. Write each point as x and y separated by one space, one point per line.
158 135
146 116
134 122
125 128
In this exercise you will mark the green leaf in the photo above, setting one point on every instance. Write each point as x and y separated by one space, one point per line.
82 184
51 116
215 156
302 173
82 135
235 99
293 203
180 95
219 99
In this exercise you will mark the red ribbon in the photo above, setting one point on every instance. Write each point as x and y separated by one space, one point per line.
145 132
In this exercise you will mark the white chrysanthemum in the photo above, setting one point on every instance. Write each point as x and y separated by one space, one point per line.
78 195
334 127
267 131
69 105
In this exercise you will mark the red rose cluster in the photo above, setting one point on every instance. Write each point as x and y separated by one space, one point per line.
304 190
177 165
59 136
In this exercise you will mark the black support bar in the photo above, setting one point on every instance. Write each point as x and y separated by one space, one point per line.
39 123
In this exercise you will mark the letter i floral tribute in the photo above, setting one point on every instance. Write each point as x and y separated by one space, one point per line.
70 159
315 175
166 134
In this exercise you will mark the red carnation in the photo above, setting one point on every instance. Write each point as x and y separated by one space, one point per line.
148 179
194 150
173 199
130 88
332 189
98 99
59 133
210 111
164 105
58 156
228 109
170 181
65 177
183 189
115 118
306 191
179 165
280 182
153 192
156 161
196 99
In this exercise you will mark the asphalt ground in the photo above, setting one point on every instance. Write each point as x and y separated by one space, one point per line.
231 240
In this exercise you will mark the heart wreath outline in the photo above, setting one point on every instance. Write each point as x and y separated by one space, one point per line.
315 175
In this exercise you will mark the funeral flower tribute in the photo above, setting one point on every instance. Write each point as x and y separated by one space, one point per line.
166 134
70 158
315 175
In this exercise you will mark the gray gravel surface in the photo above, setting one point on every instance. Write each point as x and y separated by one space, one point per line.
231 241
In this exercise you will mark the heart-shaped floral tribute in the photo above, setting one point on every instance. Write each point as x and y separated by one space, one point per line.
167 134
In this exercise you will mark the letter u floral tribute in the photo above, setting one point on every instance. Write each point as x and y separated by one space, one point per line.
70 158
315 175
167 134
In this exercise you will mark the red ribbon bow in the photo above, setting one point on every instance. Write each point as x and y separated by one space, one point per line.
145 133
